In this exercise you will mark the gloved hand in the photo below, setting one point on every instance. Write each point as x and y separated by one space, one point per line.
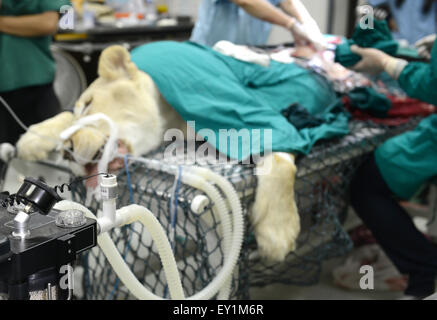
306 34
375 61
316 36
424 46
381 13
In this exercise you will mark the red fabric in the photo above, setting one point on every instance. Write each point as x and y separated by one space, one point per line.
361 236
401 112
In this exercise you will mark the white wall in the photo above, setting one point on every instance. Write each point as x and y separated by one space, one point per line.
182 7
341 16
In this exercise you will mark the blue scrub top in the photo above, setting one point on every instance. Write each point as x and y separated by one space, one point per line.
412 23
224 20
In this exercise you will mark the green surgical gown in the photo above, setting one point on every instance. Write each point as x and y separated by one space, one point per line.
409 160
378 37
221 93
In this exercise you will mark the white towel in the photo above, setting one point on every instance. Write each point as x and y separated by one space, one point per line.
242 53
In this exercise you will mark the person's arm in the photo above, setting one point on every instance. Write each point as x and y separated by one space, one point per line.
375 61
34 25
264 10
417 79
296 9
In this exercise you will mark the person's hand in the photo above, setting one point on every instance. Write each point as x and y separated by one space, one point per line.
299 33
424 46
315 35
381 13
375 61
303 36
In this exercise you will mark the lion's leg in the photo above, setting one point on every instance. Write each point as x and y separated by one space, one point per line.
42 138
275 216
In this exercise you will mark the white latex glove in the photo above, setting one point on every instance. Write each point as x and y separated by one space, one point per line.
375 61
306 34
312 30
424 46
315 34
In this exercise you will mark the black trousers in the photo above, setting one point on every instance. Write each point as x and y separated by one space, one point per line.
410 251
31 104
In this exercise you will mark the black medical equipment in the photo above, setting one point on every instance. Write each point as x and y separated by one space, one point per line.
39 244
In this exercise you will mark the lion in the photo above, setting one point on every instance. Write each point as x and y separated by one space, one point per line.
132 100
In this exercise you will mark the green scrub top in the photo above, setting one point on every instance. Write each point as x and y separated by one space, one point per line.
26 62
408 161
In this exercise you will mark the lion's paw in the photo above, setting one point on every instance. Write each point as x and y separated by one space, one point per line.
275 215
42 138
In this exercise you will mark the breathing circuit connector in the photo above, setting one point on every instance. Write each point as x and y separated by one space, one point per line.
108 190
108 187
